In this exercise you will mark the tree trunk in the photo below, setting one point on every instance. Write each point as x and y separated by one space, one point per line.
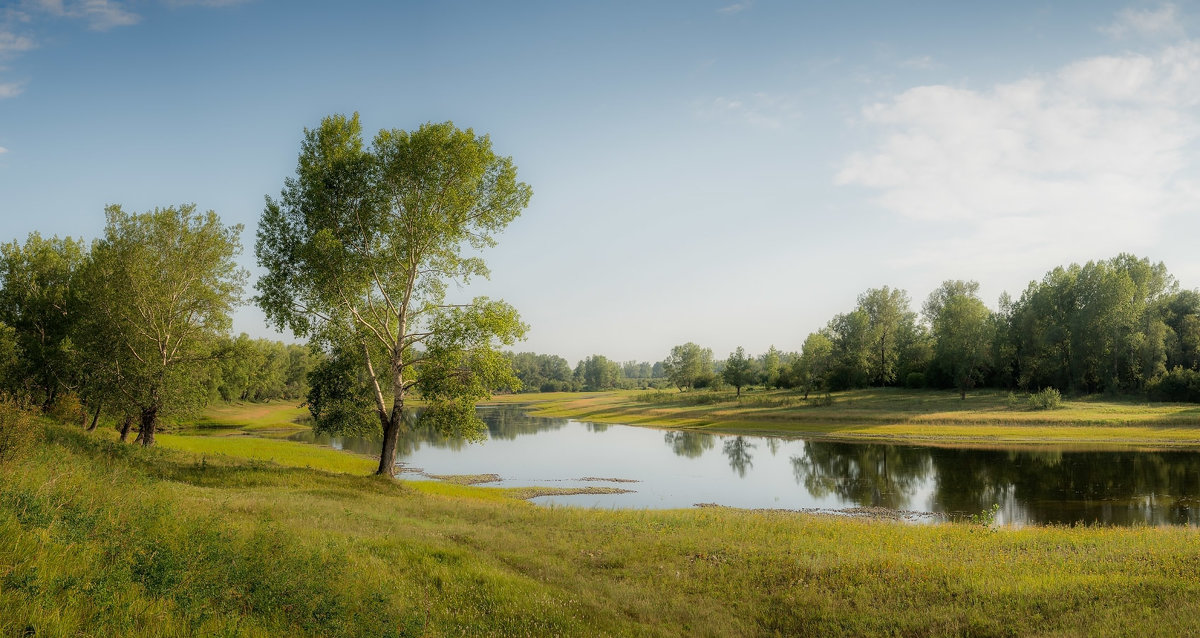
739 392
391 438
126 425
95 418
149 423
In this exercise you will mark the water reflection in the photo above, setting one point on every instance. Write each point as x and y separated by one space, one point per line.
737 449
868 475
689 444
681 468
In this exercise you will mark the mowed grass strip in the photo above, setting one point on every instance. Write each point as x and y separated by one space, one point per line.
887 414
100 538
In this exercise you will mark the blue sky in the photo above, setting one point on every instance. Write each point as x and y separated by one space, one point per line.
730 173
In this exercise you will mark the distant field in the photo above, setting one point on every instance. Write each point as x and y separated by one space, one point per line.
283 415
927 416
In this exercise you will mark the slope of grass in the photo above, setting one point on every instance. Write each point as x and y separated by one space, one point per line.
100 539
273 415
925 416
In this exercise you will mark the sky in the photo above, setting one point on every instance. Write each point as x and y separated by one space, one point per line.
732 173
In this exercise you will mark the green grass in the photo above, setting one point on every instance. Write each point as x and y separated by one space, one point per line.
274 415
923 416
284 453
99 538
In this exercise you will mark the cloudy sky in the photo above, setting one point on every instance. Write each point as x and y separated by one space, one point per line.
730 173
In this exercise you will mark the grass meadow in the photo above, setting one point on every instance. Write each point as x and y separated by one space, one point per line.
221 536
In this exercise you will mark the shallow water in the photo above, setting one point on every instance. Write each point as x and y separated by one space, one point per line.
684 468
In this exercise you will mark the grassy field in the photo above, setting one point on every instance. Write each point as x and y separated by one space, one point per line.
920 416
99 539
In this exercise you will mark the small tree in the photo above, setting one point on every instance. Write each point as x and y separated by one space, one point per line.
739 370
360 249
770 365
811 369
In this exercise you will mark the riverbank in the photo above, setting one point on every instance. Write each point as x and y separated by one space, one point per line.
100 538
927 417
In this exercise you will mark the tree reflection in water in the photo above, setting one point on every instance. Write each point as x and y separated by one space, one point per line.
738 450
865 474
689 444
1043 486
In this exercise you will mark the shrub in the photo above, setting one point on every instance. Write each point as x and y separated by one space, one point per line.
1180 384
1047 399
914 380
68 409
18 432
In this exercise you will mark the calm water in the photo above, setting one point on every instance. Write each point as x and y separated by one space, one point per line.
680 469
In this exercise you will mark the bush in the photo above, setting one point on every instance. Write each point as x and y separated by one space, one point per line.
1047 399
914 380
68 409
1180 384
18 432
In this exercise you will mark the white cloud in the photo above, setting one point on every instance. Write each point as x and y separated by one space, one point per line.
760 109
3 150
1095 156
100 15
923 62
10 89
736 7
1163 21
204 3
13 43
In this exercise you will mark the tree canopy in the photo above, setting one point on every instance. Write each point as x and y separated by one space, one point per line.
360 249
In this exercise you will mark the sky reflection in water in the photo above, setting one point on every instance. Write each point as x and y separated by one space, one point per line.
682 468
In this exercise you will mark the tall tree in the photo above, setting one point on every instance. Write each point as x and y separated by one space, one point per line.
739 370
688 365
36 301
888 313
361 247
161 287
963 333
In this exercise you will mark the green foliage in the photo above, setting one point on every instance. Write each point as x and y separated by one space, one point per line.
339 397
740 370
914 380
18 430
770 365
541 372
1045 399
689 366
362 245
67 408
38 301
160 287
888 317
963 331
1180 384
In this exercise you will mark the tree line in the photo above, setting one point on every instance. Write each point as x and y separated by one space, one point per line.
1116 326
135 323
551 373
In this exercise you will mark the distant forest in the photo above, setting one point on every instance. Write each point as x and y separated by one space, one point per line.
1117 326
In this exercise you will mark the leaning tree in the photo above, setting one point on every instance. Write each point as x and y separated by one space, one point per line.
360 250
